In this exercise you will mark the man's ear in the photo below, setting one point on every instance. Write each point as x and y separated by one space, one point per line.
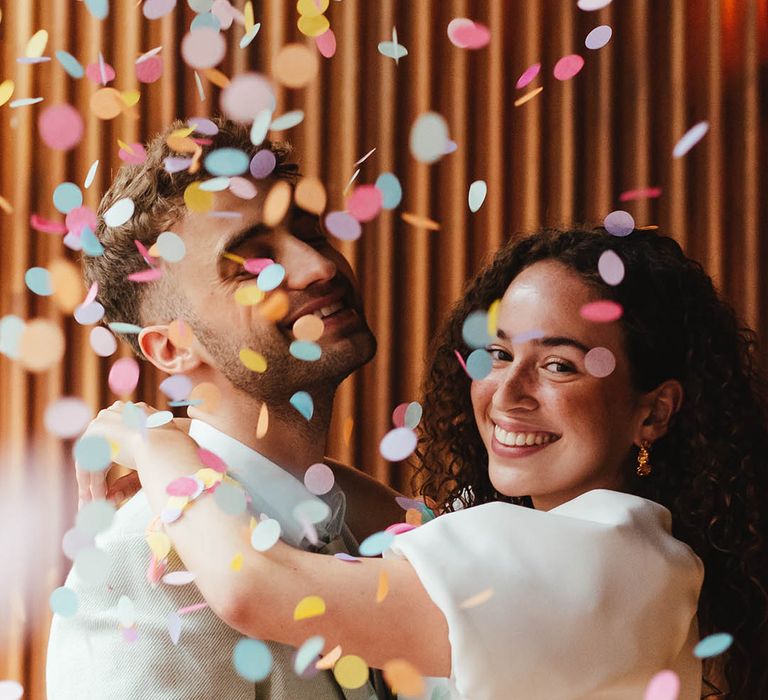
658 407
164 354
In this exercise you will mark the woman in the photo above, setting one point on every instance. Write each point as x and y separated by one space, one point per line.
558 576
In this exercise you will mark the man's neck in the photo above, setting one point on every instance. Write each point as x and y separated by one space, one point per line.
291 441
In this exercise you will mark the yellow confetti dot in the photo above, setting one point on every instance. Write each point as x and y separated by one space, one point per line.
209 394
313 26
182 133
528 96
312 8
181 144
67 284
310 195
493 317
249 295
351 671
421 221
328 661
208 476
180 334
275 306
159 543
250 20
383 589
477 599
177 502
403 677
217 77
254 361
36 45
311 606
276 203
130 97
295 64
6 90
237 562
262 424
6 206
42 345
129 149
308 327
198 200
107 103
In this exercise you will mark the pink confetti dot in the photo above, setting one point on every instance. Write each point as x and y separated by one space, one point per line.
600 362
343 226
611 267
79 218
150 69
44 225
365 202
155 9
124 376
528 75
398 415
467 34
568 66
203 48
183 486
67 417
246 96
641 193
242 187
61 127
602 311
224 12
319 479
665 685
212 461
130 634
326 44
103 343
138 156
94 74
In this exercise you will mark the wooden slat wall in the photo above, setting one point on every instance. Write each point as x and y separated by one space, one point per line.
565 156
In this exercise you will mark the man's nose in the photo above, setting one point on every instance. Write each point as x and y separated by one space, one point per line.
517 389
305 265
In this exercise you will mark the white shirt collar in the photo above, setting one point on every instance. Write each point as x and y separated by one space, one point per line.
273 490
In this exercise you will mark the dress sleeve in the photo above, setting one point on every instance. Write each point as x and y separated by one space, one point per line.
546 605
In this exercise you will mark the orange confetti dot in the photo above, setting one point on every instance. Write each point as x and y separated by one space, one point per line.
209 394
420 221
296 65
262 425
67 284
528 96
107 103
181 143
6 90
276 203
477 599
308 327
217 77
180 334
310 195
41 346
275 306
6 206
383 589
403 677
329 660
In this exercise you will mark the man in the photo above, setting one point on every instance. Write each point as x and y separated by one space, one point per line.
122 641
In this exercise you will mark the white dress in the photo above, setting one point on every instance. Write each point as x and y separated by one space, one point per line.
587 601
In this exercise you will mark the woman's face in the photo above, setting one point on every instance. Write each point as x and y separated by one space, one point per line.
539 391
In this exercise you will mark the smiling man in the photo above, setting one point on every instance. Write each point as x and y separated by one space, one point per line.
230 232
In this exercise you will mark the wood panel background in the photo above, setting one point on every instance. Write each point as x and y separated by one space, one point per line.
563 157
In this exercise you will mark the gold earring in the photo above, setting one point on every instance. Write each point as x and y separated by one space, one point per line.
643 467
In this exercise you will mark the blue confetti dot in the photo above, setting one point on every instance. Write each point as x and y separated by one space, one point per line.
98 8
63 601
376 543
230 498
38 280
70 64
713 645
303 403
92 453
305 350
479 364
66 197
226 162
91 245
206 20
252 659
391 191
270 277
475 330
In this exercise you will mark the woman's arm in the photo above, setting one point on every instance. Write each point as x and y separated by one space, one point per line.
260 598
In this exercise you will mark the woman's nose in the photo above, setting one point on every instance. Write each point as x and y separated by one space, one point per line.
305 265
516 389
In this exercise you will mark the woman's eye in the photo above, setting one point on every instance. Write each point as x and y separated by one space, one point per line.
564 367
499 354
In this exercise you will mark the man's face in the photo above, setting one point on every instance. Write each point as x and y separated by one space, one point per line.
318 280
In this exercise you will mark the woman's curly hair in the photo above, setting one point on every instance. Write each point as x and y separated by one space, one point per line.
710 469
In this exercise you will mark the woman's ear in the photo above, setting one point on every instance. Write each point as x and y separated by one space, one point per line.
659 405
164 354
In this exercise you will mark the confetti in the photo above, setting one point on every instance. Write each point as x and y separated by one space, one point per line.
248 295
599 362
62 601
119 213
242 187
262 425
619 223
365 202
170 247
94 517
398 444
308 327
287 120
61 127
312 8
67 196
326 44
295 65
237 562
467 34
393 49
212 460
403 678
428 137
602 311
307 653
67 417
252 659
149 70
180 333
176 387
311 606
474 330
155 9
642 193
690 139
591 5
382 590
265 535
528 96
203 48
11 690
38 280
98 8
328 661
100 73
312 511
89 314
159 543
479 364
276 203
419 221
611 267
173 625
319 479
102 342
313 26
275 306
226 161
271 277
351 672
197 199
247 95
477 191
123 376
262 164
598 37
260 126
413 413
178 578
305 350
378 542
36 45
568 67
107 103
92 453
41 345
342 225
528 75
254 361
665 685
713 645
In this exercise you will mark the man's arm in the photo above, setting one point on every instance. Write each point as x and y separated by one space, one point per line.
371 505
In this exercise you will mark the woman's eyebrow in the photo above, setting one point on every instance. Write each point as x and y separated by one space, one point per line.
551 341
